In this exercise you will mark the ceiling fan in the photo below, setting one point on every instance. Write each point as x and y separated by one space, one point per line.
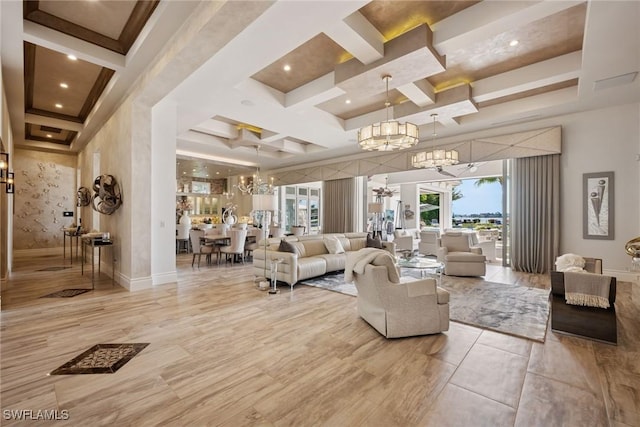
441 171
384 191
470 167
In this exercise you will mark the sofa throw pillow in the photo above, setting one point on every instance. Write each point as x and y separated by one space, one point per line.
286 247
374 242
333 245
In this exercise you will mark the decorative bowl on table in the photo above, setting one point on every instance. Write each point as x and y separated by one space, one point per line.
405 254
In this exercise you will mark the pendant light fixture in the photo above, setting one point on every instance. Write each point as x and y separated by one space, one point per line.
390 134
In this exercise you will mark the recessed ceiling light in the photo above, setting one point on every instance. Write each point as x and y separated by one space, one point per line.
287 67
348 101
217 173
64 86
48 135
58 105
72 57
513 43
184 172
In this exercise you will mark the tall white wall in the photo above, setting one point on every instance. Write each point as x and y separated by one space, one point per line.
6 200
163 172
113 142
600 141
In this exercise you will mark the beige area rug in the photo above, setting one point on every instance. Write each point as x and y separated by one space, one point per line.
511 309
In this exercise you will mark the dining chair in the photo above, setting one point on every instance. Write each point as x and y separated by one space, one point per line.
199 248
182 238
238 238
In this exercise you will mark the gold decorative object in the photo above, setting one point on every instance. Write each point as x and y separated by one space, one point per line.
632 247
107 197
83 197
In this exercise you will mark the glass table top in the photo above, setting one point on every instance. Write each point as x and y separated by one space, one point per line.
418 262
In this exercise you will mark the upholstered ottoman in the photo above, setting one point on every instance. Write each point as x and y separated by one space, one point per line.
464 264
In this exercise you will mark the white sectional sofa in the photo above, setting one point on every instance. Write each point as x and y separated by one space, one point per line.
312 258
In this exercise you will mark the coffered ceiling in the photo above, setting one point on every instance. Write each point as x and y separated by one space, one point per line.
61 86
300 78
479 65
67 64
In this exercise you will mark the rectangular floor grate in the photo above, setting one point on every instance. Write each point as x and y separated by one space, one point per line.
53 269
101 359
66 293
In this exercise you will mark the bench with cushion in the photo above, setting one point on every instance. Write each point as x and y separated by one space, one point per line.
591 322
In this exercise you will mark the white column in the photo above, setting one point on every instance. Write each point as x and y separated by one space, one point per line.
446 209
410 195
163 197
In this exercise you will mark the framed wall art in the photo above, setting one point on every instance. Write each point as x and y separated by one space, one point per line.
598 206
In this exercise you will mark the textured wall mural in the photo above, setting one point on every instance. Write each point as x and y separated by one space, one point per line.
45 188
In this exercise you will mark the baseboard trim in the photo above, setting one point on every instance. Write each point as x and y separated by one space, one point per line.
623 275
133 285
164 278
38 252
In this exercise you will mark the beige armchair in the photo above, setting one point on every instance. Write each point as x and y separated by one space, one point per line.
428 242
406 240
459 258
395 309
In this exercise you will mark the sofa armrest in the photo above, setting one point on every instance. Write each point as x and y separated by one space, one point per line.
389 247
287 257
287 269
475 250
420 287
442 252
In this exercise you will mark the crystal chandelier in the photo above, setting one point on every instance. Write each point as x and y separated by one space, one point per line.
390 134
434 158
257 185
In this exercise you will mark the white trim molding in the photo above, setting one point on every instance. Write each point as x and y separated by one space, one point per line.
164 278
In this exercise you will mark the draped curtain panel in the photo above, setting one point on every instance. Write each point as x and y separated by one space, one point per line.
535 213
339 200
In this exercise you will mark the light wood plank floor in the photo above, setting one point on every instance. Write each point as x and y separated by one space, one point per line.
224 353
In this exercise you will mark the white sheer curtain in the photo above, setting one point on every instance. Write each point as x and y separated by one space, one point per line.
339 198
535 213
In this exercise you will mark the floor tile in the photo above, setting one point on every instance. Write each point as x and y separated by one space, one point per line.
451 346
546 402
493 373
506 342
458 407
568 360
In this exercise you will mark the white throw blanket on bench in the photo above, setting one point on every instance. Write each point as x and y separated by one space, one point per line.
587 289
